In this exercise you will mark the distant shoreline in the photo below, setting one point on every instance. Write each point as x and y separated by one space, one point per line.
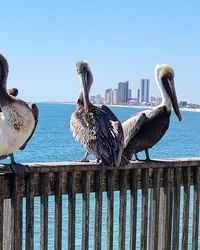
123 106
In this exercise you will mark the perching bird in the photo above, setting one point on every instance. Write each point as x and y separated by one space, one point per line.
17 119
96 128
154 123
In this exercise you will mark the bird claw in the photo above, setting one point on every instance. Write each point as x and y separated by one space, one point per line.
18 169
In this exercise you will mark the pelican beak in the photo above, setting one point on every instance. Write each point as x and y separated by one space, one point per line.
84 81
170 88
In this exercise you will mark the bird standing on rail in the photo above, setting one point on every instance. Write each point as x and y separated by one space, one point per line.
153 123
18 120
96 128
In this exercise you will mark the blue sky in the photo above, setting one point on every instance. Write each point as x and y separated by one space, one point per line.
122 40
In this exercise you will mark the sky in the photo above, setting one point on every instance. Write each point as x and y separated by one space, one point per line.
121 40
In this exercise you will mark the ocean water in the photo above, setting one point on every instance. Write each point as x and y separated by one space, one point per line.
53 141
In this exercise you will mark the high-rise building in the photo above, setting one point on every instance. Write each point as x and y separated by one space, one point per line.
129 94
108 96
144 90
123 92
138 95
115 97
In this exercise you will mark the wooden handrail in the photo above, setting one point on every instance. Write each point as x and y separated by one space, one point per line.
160 183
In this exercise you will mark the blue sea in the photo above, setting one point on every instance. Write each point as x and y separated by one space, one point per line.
53 142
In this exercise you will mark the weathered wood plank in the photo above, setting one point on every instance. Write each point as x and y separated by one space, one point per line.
122 210
98 211
30 212
195 228
58 212
110 208
16 203
168 198
144 213
8 225
154 211
176 209
46 167
133 209
161 219
71 211
86 209
1 211
44 212
186 179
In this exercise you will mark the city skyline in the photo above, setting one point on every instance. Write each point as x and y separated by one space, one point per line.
123 96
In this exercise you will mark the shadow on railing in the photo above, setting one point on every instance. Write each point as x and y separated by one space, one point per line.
161 225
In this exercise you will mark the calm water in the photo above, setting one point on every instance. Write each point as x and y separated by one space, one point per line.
53 141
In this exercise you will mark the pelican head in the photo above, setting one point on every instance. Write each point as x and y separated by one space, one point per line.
3 70
164 74
86 79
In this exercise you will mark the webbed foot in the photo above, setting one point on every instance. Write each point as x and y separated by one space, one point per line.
17 169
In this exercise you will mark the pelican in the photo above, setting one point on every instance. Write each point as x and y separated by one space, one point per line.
153 123
96 128
18 120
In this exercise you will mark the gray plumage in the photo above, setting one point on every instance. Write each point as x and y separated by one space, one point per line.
97 128
153 125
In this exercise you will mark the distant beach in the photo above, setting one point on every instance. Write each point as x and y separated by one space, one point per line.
123 106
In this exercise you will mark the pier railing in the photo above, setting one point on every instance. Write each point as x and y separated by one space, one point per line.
158 205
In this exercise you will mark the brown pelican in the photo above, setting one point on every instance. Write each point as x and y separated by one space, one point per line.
154 123
96 128
17 119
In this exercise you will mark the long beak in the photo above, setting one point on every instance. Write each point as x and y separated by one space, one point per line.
84 80
173 97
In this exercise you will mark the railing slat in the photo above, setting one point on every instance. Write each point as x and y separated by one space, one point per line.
16 203
58 212
71 211
168 198
176 209
86 207
44 212
133 209
30 212
110 209
186 181
98 211
195 231
144 214
154 211
1 212
122 210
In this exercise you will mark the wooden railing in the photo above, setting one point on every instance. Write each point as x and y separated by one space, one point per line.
154 207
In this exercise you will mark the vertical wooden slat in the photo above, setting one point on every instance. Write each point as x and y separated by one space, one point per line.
161 219
122 210
195 228
154 211
176 208
8 225
1 212
16 203
58 212
86 207
144 214
186 181
71 210
167 209
44 212
30 212
110 209
133 209
98 211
